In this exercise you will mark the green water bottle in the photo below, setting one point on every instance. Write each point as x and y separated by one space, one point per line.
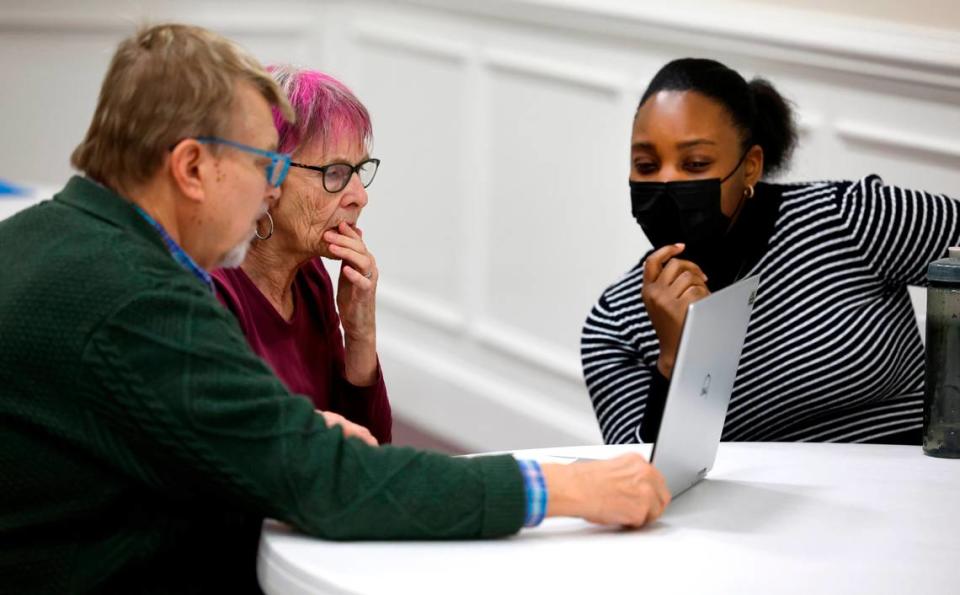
941 403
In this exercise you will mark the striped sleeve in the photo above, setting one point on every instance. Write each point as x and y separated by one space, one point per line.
617 345
902 230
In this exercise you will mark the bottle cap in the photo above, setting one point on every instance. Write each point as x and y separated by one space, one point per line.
946 270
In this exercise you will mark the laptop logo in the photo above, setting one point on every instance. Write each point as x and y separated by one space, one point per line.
706 386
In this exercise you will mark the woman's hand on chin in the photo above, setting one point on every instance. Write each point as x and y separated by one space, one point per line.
357 286
670 285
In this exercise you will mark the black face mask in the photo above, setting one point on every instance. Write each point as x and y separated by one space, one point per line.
686 211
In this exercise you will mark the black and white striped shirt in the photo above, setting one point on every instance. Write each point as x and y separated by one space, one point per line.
832 352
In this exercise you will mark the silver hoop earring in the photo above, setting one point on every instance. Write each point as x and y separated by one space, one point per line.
748 192
269 233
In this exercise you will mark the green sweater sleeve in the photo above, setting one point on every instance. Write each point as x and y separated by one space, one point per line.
185 391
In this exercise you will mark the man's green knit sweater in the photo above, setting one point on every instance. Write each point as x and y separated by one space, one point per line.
142 442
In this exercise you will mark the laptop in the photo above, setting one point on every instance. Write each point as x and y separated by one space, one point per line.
700 387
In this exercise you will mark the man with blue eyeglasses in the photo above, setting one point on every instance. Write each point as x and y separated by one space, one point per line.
135 425
142 443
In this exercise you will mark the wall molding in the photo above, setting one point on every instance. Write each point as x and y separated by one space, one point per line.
501 339
852 45
901 141
122 23
516 344
606 82
439 393
435 313
394 38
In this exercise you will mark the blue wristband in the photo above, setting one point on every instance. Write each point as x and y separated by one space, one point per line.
536 489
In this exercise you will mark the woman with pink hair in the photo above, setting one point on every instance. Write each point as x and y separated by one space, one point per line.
282 295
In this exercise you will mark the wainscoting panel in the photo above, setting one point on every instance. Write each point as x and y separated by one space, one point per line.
415 89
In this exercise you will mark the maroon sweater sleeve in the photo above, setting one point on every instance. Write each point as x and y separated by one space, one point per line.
306 352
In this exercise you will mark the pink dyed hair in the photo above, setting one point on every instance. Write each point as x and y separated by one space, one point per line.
326 110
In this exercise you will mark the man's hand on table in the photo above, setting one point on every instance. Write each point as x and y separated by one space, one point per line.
626 490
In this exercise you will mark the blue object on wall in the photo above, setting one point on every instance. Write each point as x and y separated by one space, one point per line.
11 189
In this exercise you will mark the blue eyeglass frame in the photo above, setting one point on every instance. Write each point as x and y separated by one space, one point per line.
276 159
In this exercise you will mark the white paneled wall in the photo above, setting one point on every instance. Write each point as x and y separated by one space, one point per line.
501 209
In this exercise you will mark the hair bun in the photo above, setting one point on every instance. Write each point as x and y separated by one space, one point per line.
775 130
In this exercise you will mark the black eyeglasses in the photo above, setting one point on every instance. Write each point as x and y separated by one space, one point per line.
336 176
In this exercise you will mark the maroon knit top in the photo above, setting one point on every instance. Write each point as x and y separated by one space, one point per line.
306 352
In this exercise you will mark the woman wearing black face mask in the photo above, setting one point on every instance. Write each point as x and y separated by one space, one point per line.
833 351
